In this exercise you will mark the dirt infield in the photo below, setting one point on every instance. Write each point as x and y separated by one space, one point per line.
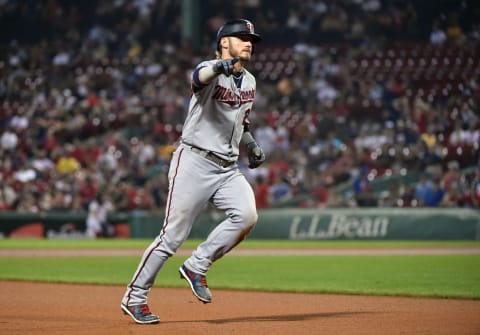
41 308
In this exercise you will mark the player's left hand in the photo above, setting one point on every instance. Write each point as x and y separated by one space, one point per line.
256 156
225 66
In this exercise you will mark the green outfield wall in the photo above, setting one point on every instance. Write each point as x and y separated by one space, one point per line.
291 224
55 224
340 224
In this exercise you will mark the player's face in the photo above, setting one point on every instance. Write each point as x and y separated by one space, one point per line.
241 47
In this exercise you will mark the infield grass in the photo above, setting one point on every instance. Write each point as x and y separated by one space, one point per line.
443 276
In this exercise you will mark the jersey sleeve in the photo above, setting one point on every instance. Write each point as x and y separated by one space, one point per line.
196 84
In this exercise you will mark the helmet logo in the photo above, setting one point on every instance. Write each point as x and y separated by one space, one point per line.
250 27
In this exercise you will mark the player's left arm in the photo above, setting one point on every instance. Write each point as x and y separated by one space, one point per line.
256 156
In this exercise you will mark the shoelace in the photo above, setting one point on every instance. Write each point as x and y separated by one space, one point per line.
144 309
203 281
195 276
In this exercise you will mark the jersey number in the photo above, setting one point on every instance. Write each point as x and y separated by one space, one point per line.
245 118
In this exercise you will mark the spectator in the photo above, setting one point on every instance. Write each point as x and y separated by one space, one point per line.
473 192
452 197
119 196
262 192
362 190
455 32
320 194
87 191
280 189
157 189
437 36
434 195
42 163
107 161
459 136
422 188
25 174
27 204
61 201
9 140
451 176
67 164
97 218
8 196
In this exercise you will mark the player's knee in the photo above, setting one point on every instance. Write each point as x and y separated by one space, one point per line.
248 217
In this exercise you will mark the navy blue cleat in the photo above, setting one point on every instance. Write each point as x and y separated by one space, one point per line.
198 284
140 313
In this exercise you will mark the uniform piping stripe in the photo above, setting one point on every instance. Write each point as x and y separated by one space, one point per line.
162 233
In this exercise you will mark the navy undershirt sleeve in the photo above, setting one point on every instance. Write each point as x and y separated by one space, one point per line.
197 84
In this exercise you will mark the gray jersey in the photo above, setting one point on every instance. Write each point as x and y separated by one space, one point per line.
217 113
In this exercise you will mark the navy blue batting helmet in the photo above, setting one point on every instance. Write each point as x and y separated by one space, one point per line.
237 27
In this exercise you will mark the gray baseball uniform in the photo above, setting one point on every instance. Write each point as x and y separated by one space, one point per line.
204 169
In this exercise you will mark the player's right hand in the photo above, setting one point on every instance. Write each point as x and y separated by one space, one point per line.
225 66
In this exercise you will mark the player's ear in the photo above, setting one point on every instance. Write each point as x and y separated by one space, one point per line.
224 42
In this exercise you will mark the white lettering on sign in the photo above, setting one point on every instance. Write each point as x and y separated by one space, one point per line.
339 226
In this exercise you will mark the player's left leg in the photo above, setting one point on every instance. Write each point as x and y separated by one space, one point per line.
237 199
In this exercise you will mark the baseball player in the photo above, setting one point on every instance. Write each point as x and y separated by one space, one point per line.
204 170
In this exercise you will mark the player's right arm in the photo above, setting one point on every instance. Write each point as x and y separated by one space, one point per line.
204 74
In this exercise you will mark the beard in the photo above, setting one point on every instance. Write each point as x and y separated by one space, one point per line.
244 54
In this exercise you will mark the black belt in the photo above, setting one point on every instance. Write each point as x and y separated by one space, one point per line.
212 157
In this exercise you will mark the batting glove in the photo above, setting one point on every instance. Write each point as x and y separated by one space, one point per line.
225 66
256 156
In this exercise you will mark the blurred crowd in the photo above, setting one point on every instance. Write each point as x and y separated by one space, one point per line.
93 96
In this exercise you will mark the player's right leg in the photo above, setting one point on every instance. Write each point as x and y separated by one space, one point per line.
187 197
